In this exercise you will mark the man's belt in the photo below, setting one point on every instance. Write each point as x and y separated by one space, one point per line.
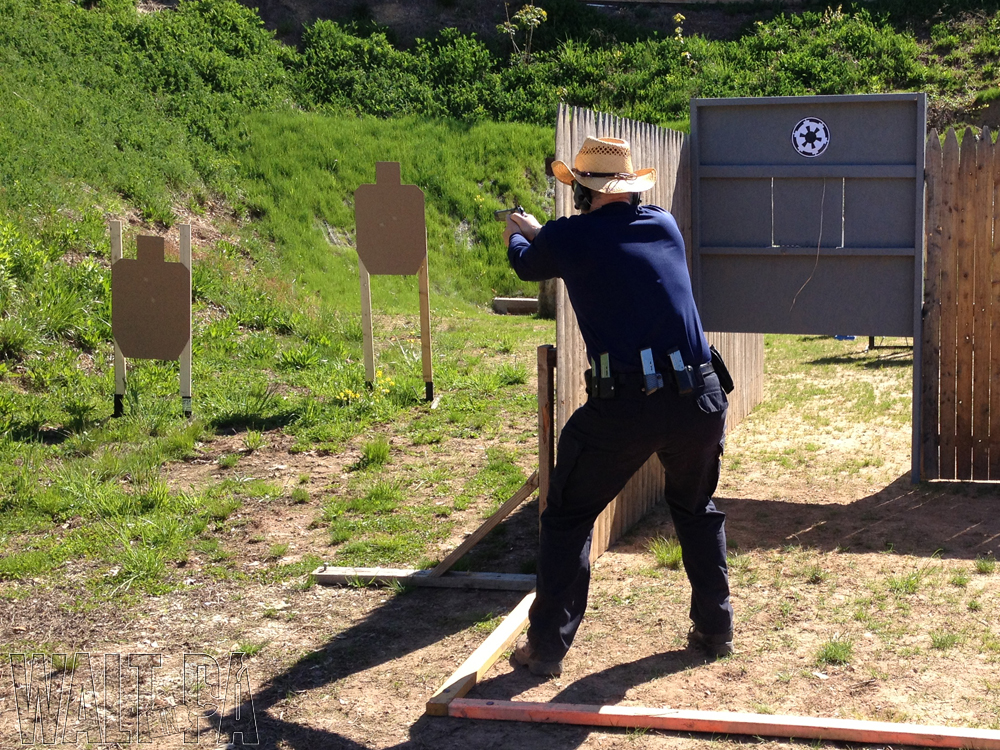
633 385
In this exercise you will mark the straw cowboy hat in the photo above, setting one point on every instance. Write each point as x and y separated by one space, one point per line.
605 165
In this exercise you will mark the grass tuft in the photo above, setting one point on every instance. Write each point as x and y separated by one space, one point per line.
835 651
985 564
666 552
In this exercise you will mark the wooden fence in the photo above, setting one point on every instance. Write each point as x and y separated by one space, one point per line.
668 151
960 430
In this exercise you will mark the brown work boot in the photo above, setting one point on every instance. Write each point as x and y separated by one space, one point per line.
716 645
524 655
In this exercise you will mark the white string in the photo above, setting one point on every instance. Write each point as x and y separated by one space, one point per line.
822 206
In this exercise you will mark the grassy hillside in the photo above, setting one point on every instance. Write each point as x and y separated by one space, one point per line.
200 114
301 171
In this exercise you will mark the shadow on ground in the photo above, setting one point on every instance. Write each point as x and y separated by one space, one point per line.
952 520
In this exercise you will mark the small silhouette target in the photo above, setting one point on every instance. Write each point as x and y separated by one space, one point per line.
150 303
810 137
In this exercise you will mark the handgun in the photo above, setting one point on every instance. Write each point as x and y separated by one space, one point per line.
504 213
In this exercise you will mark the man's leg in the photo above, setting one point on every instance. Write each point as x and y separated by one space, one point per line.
692 474
597 456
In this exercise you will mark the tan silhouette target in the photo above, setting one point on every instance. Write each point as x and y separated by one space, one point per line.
150 303
392 240
151 308
392 230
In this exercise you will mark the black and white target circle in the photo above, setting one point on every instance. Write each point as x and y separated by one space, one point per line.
811 137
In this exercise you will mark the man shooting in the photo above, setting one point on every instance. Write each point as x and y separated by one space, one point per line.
652 388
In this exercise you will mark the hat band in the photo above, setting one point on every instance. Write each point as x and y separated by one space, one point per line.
617 175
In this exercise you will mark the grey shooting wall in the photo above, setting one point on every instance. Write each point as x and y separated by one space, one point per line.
835 211
808 216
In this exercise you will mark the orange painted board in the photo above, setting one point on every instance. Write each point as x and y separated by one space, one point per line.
965 277
725 722
950 210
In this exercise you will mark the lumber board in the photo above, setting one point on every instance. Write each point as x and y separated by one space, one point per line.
982 231
472 670
330 576
515 305
185 358
491 523
366 321
966 305
931 327
120 365
727 722
949 305
423 281
995 321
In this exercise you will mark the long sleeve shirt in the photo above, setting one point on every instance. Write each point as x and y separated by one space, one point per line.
626 274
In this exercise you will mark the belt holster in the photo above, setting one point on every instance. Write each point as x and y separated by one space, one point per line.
600 382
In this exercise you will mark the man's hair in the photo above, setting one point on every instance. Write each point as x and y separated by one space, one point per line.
582 197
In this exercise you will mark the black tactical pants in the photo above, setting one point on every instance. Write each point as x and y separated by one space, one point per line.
602 445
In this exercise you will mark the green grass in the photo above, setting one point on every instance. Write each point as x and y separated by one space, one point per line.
904 585
666 552
374 453
496 479
301 171
200 111
985 564
944 640
836 651
251 648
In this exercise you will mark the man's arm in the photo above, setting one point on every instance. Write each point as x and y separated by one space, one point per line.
527 252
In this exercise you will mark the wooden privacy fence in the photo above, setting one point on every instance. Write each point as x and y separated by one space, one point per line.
960 433
667 151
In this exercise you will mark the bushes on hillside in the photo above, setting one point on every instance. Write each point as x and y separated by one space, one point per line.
364 75
454 75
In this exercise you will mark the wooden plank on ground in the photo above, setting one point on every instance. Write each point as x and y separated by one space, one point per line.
491 523
931 345
950 210
726 722
329 576
472 670
982 231
966 192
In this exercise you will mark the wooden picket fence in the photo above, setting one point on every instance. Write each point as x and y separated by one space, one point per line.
667 151
960 430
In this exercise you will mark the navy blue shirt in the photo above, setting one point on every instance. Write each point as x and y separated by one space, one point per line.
626 274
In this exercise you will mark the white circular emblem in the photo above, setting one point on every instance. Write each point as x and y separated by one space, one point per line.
811 137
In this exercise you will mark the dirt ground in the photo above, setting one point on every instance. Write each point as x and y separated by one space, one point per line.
814 560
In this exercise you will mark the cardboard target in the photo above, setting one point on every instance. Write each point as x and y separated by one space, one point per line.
150 303
391 228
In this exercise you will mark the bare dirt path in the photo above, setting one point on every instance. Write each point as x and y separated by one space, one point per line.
827 553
